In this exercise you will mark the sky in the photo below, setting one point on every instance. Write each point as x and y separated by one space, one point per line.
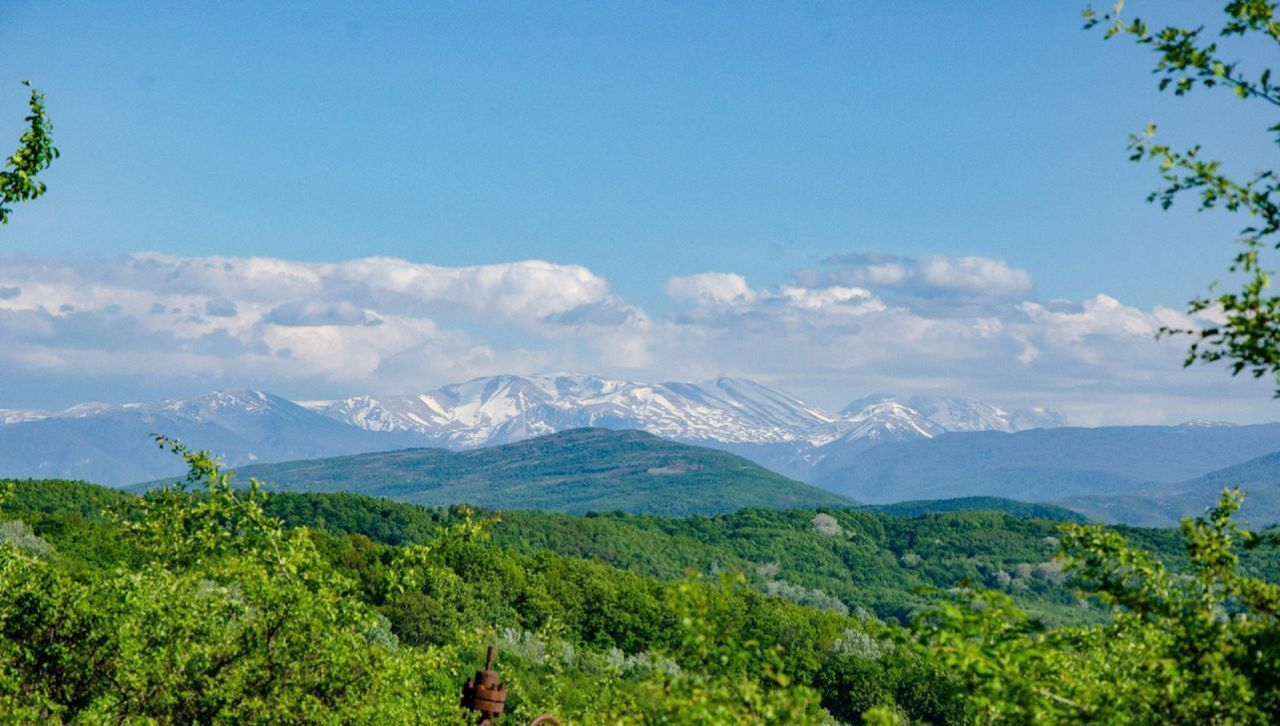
325 199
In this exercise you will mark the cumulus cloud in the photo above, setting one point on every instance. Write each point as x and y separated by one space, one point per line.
869 323
934 275
311 313
273 319
721 288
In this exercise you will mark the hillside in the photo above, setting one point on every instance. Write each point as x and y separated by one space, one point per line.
575 471
566 596
919 507
845 560
1164 505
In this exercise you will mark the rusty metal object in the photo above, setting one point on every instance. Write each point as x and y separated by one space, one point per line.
485 693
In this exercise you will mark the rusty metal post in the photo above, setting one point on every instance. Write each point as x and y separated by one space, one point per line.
485 693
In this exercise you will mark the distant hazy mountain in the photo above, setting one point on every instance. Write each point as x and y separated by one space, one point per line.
1041 464
1163 505
879 448
573 471
18 415
113 445
964 414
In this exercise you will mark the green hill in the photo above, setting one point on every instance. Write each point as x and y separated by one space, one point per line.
837 559
978 504
576 471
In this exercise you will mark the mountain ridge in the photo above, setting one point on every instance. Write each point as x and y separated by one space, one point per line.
576 471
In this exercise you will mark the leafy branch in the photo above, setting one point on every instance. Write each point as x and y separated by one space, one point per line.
1241 327
35 153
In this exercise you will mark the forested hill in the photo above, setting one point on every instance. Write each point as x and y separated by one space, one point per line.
1038 510
841 559
592 614
574 471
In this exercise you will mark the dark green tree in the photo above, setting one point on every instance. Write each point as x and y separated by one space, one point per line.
35 153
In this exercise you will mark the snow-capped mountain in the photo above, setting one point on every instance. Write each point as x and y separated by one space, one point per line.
771 427
888 421
20 415
502 409
965 414
1204 423
112 443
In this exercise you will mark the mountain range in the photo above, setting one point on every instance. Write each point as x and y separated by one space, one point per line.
112 444
878 449
1163 505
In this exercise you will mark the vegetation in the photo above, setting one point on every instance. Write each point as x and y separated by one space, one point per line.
197 604
979 504
18 182
204 595
841 560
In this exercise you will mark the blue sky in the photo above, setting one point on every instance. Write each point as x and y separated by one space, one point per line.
640 141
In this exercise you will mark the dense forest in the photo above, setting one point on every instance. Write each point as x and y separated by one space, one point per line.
211 603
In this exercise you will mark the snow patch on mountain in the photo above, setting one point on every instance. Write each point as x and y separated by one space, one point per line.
966 414
726 411
732 413
19 415
501 409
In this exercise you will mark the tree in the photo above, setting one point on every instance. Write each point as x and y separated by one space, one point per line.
1246 331
35 153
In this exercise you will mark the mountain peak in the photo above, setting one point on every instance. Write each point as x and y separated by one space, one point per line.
1203 423
964 414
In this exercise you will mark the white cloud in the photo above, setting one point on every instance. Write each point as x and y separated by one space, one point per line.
722 288
382 324
152 314
934 275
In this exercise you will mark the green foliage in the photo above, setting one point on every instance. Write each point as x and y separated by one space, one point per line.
1248 336
213 611
721 682
35 153
1198 647
1032 510
876 565
597 619
19 535
230 618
